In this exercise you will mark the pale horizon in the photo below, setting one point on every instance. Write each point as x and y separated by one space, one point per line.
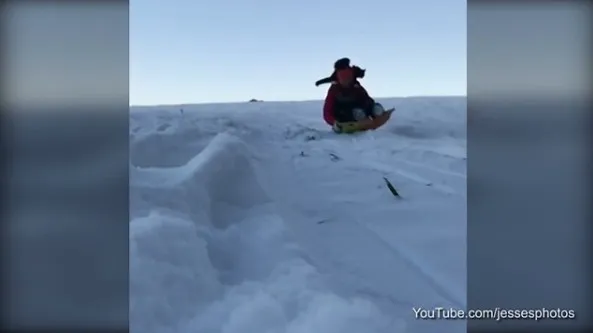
292 101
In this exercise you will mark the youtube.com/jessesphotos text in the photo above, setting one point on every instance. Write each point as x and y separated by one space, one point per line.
497 314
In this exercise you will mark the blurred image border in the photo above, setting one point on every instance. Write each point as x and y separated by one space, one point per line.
70 67
530 103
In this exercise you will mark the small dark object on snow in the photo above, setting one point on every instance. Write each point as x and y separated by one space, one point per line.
334 157
391 188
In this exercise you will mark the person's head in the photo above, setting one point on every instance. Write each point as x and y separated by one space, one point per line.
345 77
342 63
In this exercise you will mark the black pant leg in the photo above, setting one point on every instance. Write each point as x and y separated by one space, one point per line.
344 115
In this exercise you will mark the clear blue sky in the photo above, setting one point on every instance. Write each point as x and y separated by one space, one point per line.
190 51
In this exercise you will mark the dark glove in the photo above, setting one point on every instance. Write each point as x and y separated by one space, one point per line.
358 72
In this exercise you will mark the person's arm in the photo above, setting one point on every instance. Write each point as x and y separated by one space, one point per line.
366 101
365 97
329 106
323 81
328 79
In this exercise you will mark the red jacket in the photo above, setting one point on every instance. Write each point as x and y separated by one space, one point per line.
345 98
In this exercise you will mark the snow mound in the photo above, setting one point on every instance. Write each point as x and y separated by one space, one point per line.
210 253
217 180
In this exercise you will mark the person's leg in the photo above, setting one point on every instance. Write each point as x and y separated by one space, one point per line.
358 114
378 110
344 116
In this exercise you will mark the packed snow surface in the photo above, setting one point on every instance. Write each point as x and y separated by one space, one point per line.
256 218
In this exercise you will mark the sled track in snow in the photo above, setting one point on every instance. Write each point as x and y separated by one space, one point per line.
329 239
395 259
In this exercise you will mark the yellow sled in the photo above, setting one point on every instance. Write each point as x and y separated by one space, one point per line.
366 124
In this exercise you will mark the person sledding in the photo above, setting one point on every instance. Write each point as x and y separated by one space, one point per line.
348 103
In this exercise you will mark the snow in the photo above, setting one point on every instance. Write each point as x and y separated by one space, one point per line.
255 217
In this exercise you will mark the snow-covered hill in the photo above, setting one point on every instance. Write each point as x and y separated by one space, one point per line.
255 218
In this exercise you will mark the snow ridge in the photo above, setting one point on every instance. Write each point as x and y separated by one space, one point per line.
209 253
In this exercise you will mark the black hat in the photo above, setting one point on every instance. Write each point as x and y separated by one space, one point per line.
342 63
